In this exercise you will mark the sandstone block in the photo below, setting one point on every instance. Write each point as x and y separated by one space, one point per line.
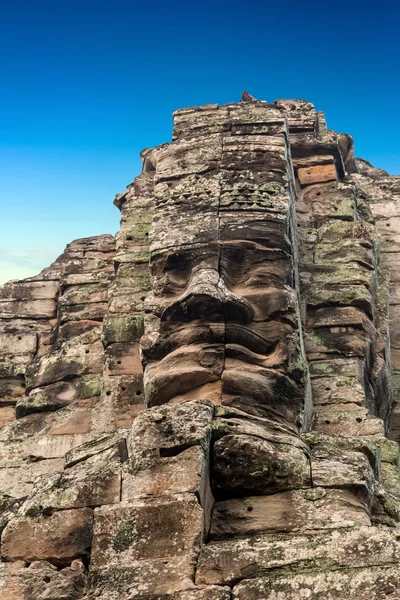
20 343
244 113
96 446
338 390
173 228
83 312
352 295
122 329
17 480
122 359
233 421
37 309
335 274
29 290
91 293
317 174
359 584
301 510
225 562
394 430
150 529
120 402
313 161
146 546
389 450
93 482
244 464
391 479
347 419
209 119
334 467
7 415
79 356
73 419
41 581
58 395
348 251
158 580
184 157
332 367
186 472
135 227
203 190
14 365
254 226
71 329
169 429
37 449
58 538
11 388
255 152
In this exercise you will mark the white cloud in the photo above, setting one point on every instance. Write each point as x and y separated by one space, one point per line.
9 271
24 263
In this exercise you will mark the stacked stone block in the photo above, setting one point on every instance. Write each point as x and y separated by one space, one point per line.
382 195
210 409
122 383
56 318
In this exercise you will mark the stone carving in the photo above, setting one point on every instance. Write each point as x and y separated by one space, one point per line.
207 406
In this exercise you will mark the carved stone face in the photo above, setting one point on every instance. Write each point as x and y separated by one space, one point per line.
221 320
220 325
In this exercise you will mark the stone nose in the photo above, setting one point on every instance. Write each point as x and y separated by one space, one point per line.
208 297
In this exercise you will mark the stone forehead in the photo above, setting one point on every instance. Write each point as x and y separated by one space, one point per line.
240 250
177 230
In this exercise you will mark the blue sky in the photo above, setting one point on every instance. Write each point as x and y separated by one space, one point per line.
86 85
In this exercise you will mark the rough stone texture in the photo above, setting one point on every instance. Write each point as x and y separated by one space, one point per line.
151 544
358 584
207 406
229 561
58 537
41 581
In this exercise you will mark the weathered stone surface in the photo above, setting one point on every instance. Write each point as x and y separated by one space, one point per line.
168 430
124 533
157 583
316 174
80 356
361 584
348 419
116 441
59 537
121 400
122 359
58 395
216 381
39 309
93 482
41 581
186 472
302 510
245 464
18 477
229 561
74 419
145 543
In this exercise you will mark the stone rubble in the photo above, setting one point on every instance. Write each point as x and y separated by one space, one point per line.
207 406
